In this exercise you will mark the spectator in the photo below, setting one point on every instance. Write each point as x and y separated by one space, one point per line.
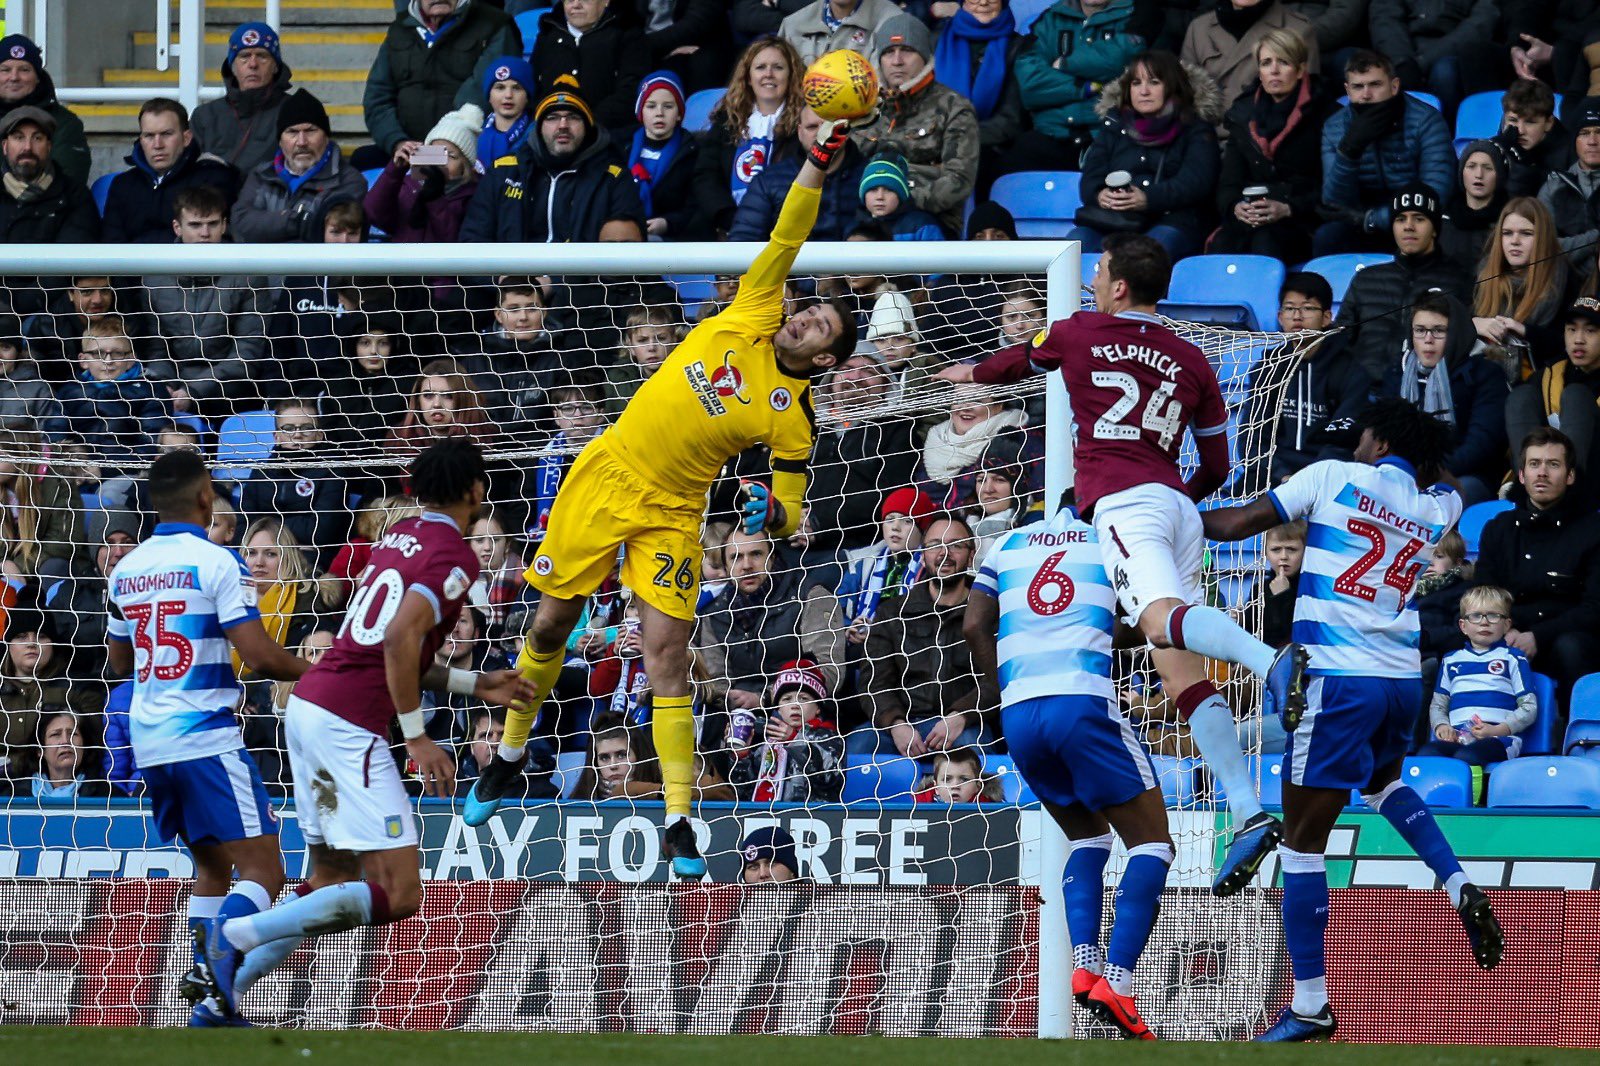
282 575
112 406
76 603
25 400
57 334
1374 307
40 203
1472 213
41 517
509 88
512 364
297 488
34 681
1383 142
1274 143
827 25
958 778
285 199
432 59
1284 548
649 334
888 569
500 582
620 764
1225 42
368 392
1440 371
209 332
1438 600
576 402
861 446
241 128
1546 553
1440 47
598 49
444 404
930 126
760 110
1535 140
663 160
165 161
1572 62
921 691
841 203
1483 696
488 725
25 83
767 855
799 755
566 184
224 527
62 766
688 37
428 203
886 199
976 55
1523 287
376 515
955 447
1564 394
1573 197
1157 130
999 497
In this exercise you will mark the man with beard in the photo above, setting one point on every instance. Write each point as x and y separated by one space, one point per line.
286 198
25 82
39 202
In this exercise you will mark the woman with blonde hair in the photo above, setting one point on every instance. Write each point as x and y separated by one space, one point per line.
286 593
1523 288
41 519
760 110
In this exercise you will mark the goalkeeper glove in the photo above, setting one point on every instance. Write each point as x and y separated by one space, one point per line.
759 510
831 138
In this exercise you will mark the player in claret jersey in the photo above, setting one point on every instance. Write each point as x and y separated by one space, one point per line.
1135 386
351 804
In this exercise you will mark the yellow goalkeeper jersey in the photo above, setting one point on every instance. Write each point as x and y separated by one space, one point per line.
723 390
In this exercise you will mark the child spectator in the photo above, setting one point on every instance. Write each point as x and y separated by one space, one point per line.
511 363
1472 213
308 497
224 521
1535 140
620 763
767 856
800 755
886 198
508 85
958 777
713 567
1482 698
26 401
577 408
662 159
1285 550
414 204
500 582
345 222
112 406
889 568
367 394
1565 394
892 333
648 336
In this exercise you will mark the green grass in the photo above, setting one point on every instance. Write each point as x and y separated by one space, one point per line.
178 1047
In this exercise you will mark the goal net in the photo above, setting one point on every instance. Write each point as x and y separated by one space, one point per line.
928 895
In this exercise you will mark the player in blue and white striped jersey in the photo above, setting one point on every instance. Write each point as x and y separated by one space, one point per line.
178 606
1043 589
1373 527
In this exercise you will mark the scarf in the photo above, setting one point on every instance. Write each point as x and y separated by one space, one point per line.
493 143
293 181
1154 131
1236 22
1271 121
898 572
44 790
547 474
648 160
1429 388
952 58
276 603
753 152
948 453
25 192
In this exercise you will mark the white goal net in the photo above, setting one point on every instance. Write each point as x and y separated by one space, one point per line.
928 892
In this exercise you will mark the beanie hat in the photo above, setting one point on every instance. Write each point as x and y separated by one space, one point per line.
771 842
251 35
661 79
509 68
905 31
886 173
803 674
1497 158
1587 113
17 46
299 108
1417 197
991 215
461 128
563 96
892 316
910 501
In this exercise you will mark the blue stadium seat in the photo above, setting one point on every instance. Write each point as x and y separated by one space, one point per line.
1540 737
372 174
1583 718
693 290
1268 769
1474 518
1177 779
528 26
1248 282
1043 202
884 778
1025 11
1089 264
1546 781
1441 782
1011 782
243 440
569 767
1478 118
1341 269
697 109
100 190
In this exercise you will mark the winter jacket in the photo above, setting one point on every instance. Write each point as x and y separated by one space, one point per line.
812 38
1230 60
841 203
1360 190
63 214
743 641
1573 198
694 23
1336 23
118 419
25 400
242 127
934 130
909 224
1374 307
609 62
1065 60
753 18
1550 563
527 201
411 210
808 769
23 698
851 466
1293 175
210 331
1478 391
269 212
69 145
139 202
1438 605
512 377
1425 31
414 81
917 664
308 328
1329 382
311 500
360 408
677 196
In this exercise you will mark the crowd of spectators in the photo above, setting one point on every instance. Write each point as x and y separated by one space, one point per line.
1284 129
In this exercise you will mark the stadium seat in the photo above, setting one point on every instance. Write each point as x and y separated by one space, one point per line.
100 190
1266 769
372 174
528 26
244 440
569 767
693 290
1546 781
1540 737
1474 518
884 778
1025 11
1340 270
1478 118
697 109
1177 779
1043 202
1229 283
1441 782
1583 718
1011 783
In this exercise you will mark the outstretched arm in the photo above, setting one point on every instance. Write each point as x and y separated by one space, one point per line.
1242 522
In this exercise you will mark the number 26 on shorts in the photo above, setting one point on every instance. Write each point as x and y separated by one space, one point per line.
682 579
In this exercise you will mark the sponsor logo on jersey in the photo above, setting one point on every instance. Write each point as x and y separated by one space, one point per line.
728 382
456 583
751 162
542 565
780 399
725 383
1497 666
304 488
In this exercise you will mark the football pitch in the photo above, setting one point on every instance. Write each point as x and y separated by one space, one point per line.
164 1047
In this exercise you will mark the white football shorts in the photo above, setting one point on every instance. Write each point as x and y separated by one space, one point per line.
347 789
1153 545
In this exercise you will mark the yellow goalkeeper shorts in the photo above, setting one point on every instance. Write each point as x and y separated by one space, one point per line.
603 505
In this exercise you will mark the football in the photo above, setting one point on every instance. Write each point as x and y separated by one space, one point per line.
841 86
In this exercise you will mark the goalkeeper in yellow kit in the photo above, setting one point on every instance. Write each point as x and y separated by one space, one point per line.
740 378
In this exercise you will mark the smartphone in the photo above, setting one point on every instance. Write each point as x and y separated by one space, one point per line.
430 155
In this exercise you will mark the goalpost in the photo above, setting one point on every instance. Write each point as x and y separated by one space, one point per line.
909 919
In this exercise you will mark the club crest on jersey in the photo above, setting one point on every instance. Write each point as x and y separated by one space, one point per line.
751 162
542 565
780 399
304 488
456 583
1497 666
